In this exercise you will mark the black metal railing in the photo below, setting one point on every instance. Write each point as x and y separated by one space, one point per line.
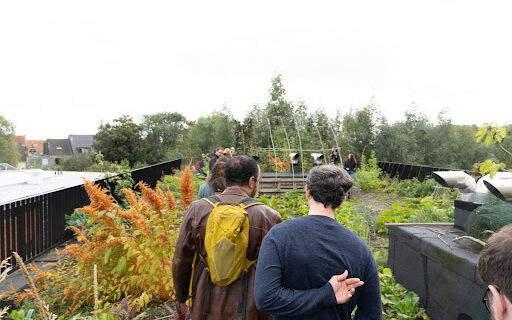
35 225
408 171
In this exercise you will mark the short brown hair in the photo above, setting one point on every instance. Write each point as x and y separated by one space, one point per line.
495 261
328 185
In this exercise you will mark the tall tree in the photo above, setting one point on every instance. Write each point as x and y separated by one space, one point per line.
359 130
8 148
207 133
121 140
162 132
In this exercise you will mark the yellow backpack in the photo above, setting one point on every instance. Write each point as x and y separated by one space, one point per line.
227 239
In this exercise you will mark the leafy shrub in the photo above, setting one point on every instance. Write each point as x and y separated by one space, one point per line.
426 209
399 212
432 209
78 162
397 302
412 188
369 174
358 220
132 248
290 205
78 219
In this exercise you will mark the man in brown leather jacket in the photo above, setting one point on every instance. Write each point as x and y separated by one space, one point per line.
242 175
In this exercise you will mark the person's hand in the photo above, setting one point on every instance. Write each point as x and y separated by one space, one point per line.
183 311
344 288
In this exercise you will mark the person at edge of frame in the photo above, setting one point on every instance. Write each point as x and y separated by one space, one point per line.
495 269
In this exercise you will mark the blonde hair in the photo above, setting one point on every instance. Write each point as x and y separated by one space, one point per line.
228 153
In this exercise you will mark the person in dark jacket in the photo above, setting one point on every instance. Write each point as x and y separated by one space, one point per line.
351 165
335 157
216 154
313 267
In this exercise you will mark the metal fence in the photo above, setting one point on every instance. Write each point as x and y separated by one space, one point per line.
35 225
408 171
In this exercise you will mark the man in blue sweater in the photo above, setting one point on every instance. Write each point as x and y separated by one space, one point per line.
304 263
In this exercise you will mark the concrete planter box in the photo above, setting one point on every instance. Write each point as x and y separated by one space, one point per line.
443 272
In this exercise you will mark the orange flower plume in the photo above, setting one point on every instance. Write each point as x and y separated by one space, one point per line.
156 201
100 200
171 202
187 187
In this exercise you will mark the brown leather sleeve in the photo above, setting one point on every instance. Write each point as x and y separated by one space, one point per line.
184 255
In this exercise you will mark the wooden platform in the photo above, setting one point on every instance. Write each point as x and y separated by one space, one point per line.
273 186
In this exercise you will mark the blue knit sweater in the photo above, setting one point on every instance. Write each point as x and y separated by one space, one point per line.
296 260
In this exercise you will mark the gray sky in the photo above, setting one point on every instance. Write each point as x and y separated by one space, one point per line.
67 65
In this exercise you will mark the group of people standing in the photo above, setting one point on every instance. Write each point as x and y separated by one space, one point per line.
306 268
310 267
350 164
215 182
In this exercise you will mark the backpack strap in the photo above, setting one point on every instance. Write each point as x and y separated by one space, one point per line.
246 202
194 282
212 200
243 295
249 202
206 308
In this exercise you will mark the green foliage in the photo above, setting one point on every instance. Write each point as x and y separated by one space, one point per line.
426 209
290 205
412 188
121 140
359 130
78 162
490 167
8 148
358 219
369 173
207 133
162 132
132 249
20 315
78 219
397 302
491 134
121 178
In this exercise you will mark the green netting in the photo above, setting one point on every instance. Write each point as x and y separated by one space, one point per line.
489 217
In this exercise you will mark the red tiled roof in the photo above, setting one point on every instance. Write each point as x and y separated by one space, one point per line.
20 139
37 145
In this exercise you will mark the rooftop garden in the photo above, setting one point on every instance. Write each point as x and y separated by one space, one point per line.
121 245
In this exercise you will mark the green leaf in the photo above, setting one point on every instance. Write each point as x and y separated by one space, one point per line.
488 140
480 134
108 254
500 134
121 264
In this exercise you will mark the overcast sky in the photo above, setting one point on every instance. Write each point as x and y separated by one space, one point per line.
67 65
